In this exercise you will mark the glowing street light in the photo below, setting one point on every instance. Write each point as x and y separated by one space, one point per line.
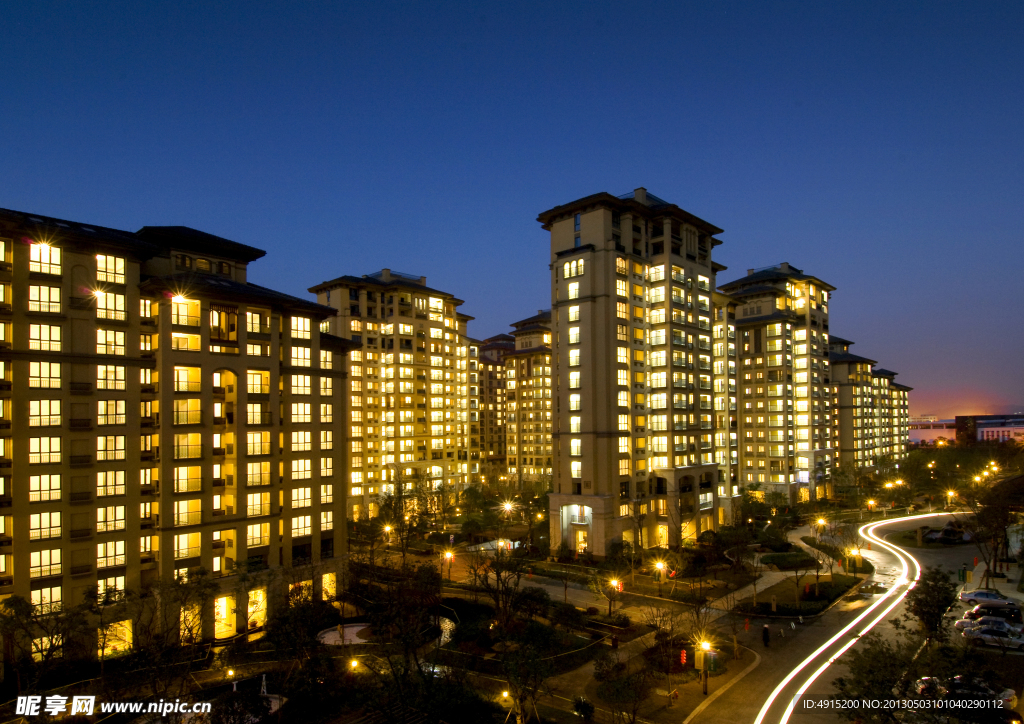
660 565
614 583
705 645
353 663
449 556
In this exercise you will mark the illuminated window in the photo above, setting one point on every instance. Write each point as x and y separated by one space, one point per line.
44 259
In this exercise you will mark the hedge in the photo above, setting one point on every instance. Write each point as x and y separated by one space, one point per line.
864 566
789 561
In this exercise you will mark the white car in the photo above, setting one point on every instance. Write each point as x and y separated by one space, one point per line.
984 595
985 621
995 637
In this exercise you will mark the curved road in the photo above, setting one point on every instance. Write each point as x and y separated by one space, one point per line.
784 703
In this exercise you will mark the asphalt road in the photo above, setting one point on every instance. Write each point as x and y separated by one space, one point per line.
815 644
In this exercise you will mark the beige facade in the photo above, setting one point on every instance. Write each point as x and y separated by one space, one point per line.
162 415
634 458
873 411
529 401
785 402
410 407
493 440
726 424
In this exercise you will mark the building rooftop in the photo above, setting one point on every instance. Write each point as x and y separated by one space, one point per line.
213 287
834 357
639 202
772 274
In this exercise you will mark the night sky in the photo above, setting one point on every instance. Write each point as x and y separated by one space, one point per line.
877 146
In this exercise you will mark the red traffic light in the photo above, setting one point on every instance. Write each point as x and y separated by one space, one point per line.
682 657
620 587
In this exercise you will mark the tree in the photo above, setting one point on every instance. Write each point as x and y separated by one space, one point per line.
877 670
241 707
803 565
567 616
990 517
626 693
929 600
525 670
638 513
500 577
102 606
42 637
398 510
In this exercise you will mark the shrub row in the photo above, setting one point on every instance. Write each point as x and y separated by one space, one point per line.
789 561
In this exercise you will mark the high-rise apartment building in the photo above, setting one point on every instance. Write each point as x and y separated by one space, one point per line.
528 400
160 414
634 455
785 401
726 424
493 449
409 384
872 420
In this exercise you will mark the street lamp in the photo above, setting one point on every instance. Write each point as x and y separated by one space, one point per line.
387 531
449 556
615 587
660 565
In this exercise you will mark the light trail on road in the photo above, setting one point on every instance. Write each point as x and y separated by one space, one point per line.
908 562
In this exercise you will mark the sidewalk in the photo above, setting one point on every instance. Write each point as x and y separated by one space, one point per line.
1007 586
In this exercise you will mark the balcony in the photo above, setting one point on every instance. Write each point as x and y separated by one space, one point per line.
188 417
188 452
184 320
259 389
193 517
187 385
259 418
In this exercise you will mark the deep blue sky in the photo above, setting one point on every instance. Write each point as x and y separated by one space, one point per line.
876 146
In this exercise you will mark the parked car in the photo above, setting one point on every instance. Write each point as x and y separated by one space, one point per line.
990 621
985 595
994 637
966 687
1010 614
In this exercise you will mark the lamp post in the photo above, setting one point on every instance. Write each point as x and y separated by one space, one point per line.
660 565
615 587
387 532
706 648
449 557
821 526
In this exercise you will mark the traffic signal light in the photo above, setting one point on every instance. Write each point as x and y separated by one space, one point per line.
682 657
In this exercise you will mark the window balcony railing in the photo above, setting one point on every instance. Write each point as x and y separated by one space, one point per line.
188 485
44 533
255 511
110 419
102 455
192 517
106 348
115 314
44 571
185 452
185 320
187 385
109 525
188 417
260 418
110 561
49 307
258 448
259 388
190 552
41 458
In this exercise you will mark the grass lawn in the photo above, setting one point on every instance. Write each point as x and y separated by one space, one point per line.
791 601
